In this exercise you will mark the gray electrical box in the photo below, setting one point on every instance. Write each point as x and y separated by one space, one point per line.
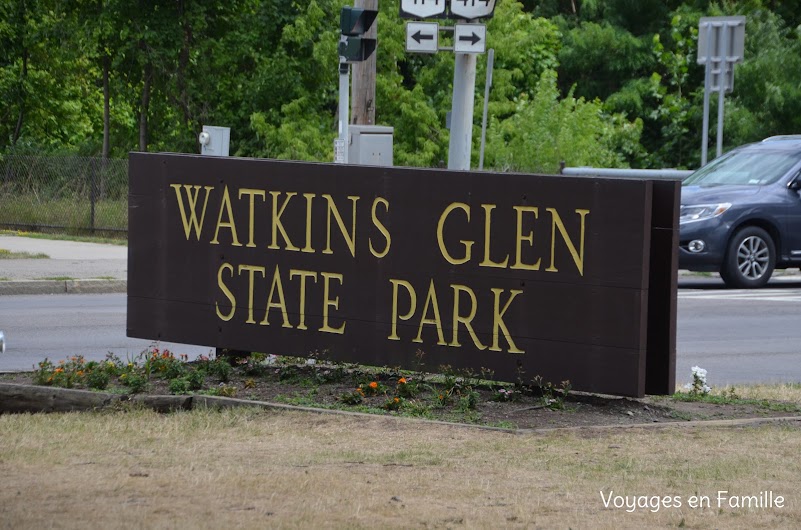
215 141
370 145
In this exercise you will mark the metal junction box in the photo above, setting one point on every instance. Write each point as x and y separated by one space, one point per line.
215 141
370 145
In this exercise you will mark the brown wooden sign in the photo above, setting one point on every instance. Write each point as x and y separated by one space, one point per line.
566 278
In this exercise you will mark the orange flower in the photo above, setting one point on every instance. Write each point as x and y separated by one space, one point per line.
373 385
402 381
59 370
80 373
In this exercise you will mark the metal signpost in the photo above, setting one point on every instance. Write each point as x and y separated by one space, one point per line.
720 46
469 40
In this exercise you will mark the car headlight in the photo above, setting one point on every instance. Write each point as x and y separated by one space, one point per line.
699 212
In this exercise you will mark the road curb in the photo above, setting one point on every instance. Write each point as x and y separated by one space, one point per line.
23 287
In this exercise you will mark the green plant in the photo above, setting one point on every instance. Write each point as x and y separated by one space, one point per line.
352 398
97 379
393 403
373 388
468 400
218 368
416 408
223 390
178 386
135 381
195 379
504 394
66 375
407 387
552 397
255 364
163 364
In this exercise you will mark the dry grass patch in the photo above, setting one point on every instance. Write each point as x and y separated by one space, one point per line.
785 392
256 469
8 254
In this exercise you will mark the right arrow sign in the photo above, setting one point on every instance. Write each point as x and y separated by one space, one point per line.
469 38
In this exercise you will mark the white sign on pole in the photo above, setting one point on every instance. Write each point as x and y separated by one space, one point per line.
422 8
422 37
339 151
472 9
469 38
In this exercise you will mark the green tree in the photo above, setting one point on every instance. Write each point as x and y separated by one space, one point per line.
43 84
547 130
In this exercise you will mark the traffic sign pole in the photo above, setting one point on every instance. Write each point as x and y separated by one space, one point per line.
487 87
722 85
707 77
464 85
341 157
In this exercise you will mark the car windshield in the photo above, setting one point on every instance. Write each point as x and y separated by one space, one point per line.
748 167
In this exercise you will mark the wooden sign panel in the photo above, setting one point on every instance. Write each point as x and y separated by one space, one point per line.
525 275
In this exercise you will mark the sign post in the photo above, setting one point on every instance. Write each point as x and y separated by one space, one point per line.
721 42
464 86
468 40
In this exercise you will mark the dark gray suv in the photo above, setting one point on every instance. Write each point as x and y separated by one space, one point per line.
741 213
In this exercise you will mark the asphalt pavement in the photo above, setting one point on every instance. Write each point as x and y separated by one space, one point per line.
71 267
89 268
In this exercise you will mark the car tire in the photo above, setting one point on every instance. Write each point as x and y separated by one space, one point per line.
750 259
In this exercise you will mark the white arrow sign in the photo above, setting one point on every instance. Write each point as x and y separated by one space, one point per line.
471 9
422 37
469 38
422 8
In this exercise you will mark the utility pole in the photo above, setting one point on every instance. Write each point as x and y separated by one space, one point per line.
363 83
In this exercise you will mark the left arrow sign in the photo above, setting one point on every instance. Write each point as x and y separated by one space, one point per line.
419 37
422 37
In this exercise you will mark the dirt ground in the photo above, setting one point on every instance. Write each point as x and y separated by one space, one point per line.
459 400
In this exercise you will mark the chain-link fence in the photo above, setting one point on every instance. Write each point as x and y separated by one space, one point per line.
65 193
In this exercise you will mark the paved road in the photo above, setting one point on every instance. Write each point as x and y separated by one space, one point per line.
59 326
738 336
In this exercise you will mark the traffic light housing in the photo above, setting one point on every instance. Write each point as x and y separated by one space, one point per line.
354 22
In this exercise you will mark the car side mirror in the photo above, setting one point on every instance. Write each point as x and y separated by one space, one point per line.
795 185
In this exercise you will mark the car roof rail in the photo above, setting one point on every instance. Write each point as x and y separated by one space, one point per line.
782 137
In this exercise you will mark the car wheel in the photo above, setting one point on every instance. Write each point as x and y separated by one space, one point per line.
750 259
